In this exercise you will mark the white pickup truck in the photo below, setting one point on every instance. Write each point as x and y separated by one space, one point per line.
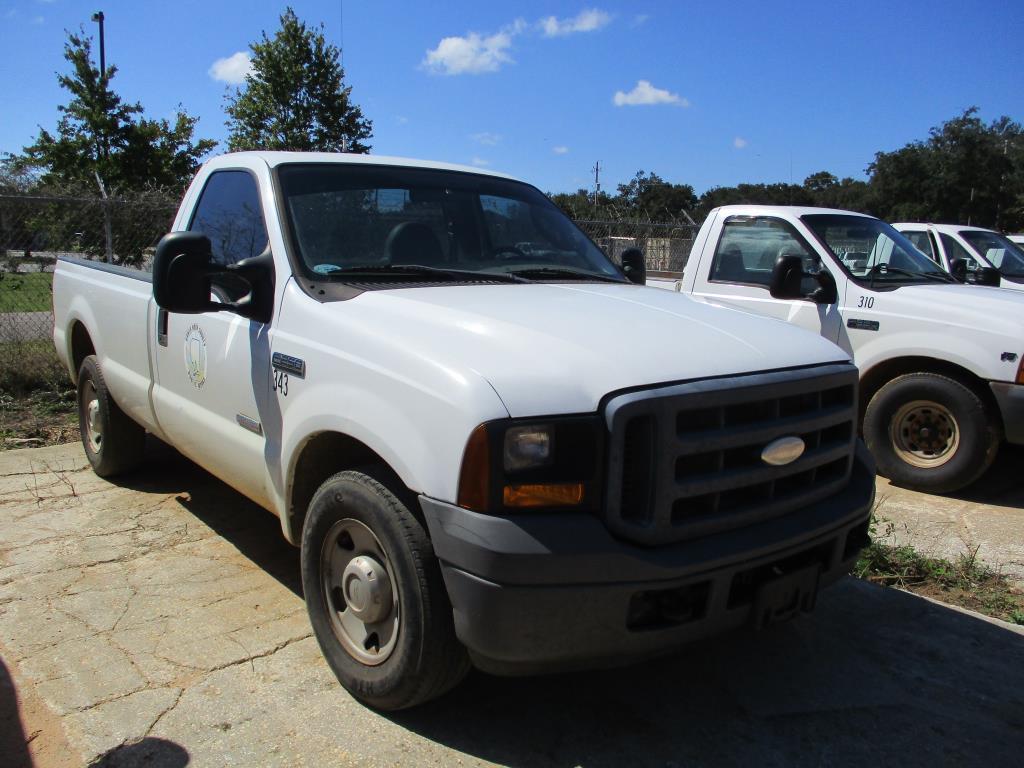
941 363
972 254
480 432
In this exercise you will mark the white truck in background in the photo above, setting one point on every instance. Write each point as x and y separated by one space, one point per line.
467 418
971 254
941 363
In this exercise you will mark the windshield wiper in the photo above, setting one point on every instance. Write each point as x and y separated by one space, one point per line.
881 269
376 270
574 274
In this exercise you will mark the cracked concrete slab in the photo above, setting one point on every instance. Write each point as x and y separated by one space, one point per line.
985 520
159 621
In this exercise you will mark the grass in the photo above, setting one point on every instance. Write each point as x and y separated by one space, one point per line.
965 582
42 417
26 293
30 366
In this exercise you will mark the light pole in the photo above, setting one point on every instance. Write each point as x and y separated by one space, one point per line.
98 18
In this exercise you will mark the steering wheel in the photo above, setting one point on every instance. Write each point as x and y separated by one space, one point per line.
511 251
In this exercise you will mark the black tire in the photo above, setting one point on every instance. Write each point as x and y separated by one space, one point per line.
113 443
417 656
930 433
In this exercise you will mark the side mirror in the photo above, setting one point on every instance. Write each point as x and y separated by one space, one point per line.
182 268
787 277
958 269
181 273
987 276
635 266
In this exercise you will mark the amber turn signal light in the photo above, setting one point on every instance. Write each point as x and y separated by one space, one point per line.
544 495
474 479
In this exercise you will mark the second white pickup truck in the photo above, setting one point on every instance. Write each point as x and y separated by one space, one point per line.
941 364
470 420
983 255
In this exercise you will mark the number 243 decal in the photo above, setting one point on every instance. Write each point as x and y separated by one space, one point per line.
279 382
866 302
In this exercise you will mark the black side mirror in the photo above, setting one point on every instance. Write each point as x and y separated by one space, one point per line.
635 266
958 269
787 277
181 273
182 268
987 276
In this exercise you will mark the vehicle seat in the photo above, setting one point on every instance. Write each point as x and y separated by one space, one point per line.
730 266
413 242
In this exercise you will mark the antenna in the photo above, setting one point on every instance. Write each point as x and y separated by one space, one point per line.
597 181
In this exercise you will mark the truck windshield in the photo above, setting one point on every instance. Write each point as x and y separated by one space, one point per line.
870 249
355 219
997 250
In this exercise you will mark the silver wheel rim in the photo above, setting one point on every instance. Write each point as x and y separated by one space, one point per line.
924 434
359 591
93 423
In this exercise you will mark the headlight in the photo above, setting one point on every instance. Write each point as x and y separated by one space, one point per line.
513 465
528 447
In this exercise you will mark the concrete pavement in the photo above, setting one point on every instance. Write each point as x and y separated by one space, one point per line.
160 622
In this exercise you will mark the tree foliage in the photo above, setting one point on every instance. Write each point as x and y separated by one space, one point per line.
295 97
101 139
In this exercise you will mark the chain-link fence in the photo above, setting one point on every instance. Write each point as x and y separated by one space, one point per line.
666 245
35 230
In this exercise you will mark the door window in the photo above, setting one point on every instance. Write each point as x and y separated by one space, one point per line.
956 251
922 243
229 214
749 247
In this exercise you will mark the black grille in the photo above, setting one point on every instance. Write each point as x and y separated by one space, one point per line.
685 460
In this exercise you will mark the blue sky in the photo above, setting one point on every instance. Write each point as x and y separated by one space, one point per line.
700 93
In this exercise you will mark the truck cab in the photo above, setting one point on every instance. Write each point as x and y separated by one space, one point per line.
977 248
940 362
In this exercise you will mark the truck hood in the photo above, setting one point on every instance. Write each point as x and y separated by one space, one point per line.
975 309
560 348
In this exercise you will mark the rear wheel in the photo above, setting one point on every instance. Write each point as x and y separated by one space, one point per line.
375 595
930 433
113 442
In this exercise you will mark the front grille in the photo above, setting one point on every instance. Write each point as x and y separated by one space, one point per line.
685 460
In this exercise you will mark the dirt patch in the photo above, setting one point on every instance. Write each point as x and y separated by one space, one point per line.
41 417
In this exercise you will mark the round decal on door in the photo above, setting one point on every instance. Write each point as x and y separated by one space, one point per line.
195 355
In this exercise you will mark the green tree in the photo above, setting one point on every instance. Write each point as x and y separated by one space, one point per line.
295 97
100 140
966 172
648 195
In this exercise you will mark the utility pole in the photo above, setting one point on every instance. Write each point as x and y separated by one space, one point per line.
597 181
98 18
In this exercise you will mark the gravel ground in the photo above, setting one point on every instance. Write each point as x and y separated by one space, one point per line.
159 621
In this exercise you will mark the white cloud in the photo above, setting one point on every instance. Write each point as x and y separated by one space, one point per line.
38 20
486 138
479 161
640 19
645 93
587 20
739 142
401 119
560 150
233 69
473 54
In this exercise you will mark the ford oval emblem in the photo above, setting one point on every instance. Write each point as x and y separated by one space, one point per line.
783 451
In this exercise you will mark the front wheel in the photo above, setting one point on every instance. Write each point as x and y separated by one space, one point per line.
930 433
375 595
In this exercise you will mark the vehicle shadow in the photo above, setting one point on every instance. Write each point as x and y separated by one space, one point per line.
252 530
13 740
1002 485
874 677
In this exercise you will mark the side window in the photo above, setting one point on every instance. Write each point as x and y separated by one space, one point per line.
748 248
920 241
229 214
956 251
